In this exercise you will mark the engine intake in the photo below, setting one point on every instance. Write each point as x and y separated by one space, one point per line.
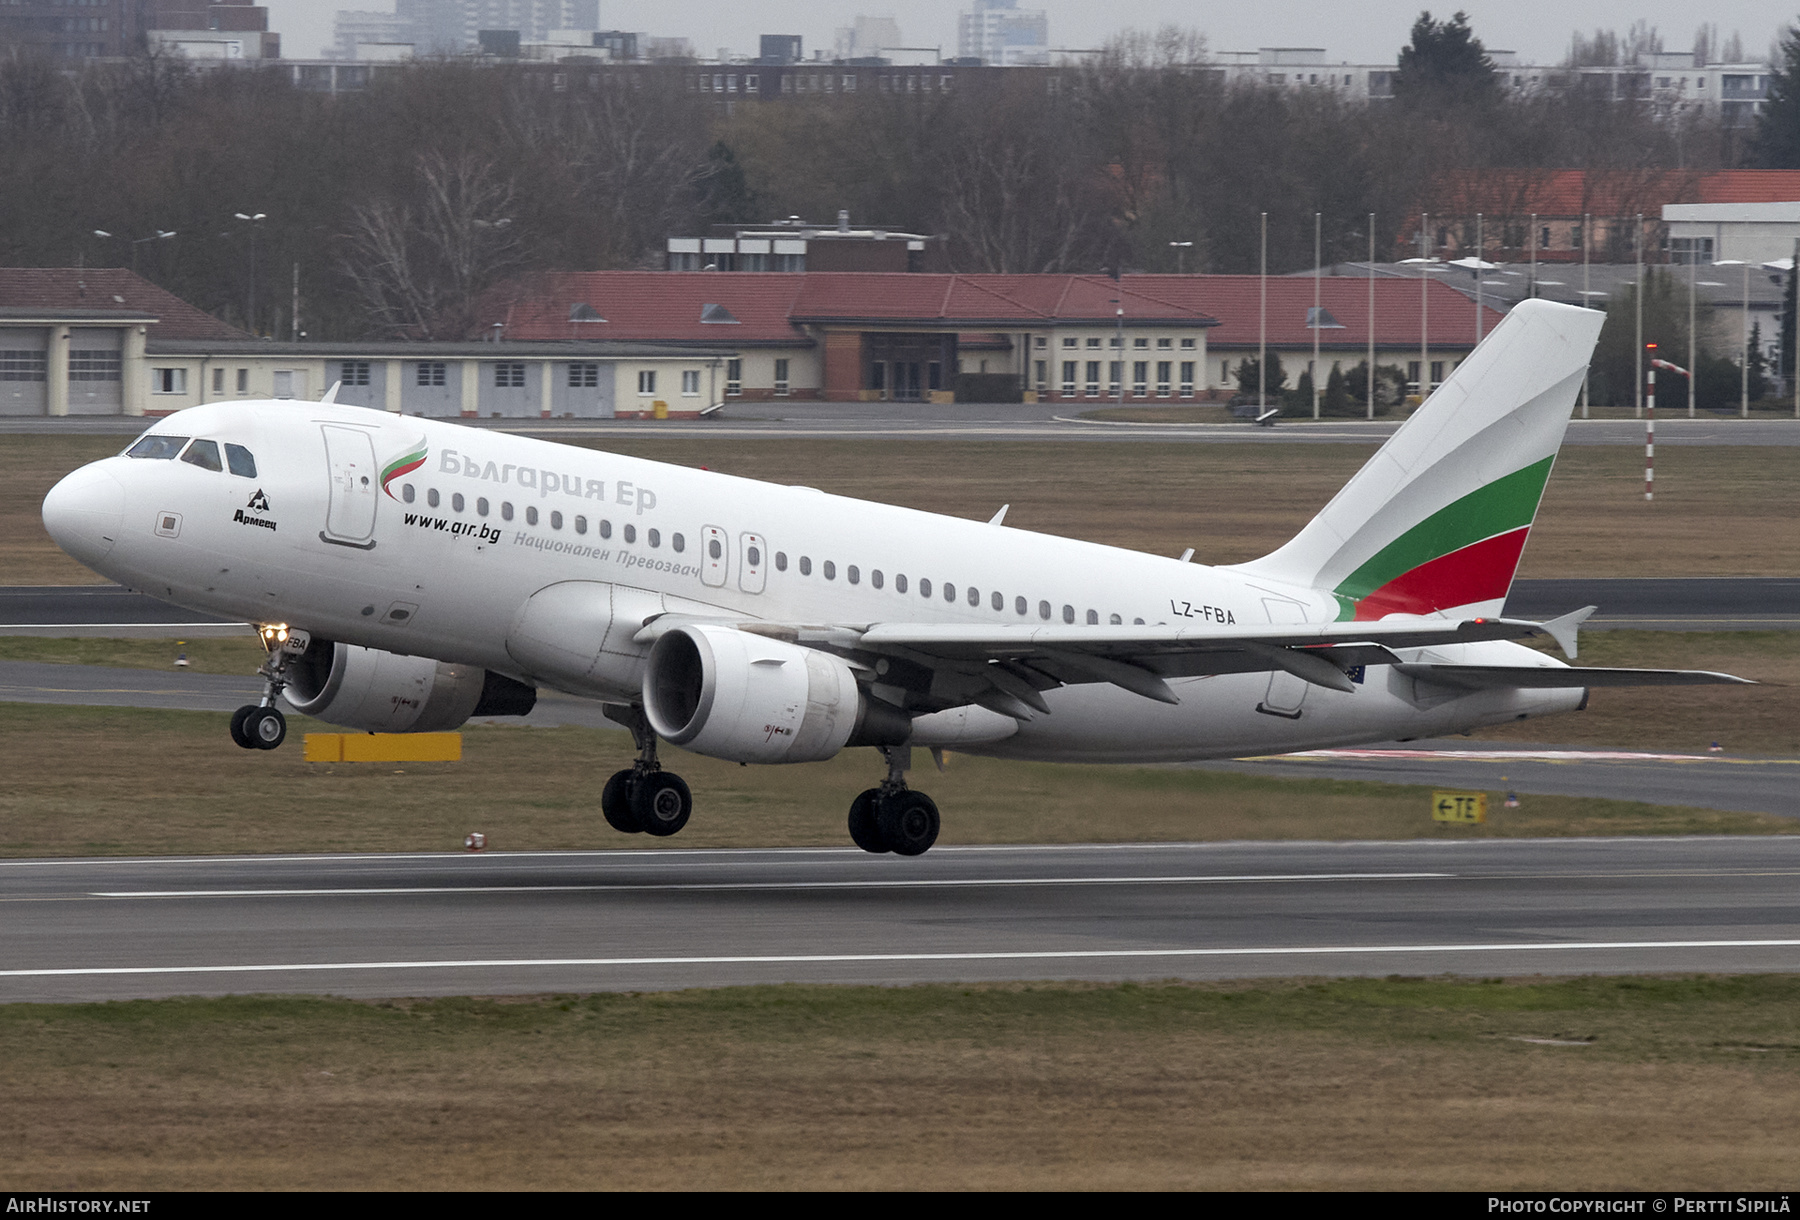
746 698
384 692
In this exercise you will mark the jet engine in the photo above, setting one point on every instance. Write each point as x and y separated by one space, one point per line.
747 698
384 692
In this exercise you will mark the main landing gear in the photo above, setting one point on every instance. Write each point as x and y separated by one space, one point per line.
893 817
643 797
261 726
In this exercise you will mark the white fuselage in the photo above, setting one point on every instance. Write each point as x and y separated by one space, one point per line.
493 519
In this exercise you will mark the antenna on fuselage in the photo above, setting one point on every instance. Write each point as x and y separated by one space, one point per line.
1000 516
331 394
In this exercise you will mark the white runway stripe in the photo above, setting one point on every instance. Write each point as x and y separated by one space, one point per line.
872 884
855 958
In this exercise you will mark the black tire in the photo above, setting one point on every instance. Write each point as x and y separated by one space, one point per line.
615 802
909 823
661 802
266 728
865 831
237 726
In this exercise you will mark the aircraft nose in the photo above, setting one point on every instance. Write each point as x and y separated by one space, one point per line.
83 513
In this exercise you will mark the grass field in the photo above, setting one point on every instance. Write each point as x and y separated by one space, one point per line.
1592 1084
181 787
1718 511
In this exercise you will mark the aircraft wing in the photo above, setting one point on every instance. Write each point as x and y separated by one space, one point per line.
1007 667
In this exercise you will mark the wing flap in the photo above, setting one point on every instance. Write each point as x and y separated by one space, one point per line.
1559 677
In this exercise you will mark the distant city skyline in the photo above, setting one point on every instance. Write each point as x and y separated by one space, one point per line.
1371 32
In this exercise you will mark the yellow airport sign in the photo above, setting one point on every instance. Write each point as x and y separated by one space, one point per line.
1459 806
384 747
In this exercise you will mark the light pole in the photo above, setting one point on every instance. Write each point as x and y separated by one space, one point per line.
1370 406
1744 357
159 235
1312 370
1262 324
1181 248
252 220
1424 265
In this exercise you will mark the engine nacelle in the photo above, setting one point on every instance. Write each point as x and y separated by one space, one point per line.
747 698
384 692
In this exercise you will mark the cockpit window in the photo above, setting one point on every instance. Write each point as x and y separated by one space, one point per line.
157 446
240 461
204 454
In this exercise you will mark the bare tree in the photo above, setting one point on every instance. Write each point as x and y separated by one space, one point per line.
421 265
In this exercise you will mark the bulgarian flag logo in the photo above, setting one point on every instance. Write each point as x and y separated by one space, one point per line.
405 464
1466 552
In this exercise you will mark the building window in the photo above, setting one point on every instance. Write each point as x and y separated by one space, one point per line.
1140 377
690 383
431 372
1163 368
1042 369
1068 376
243 381
355 372
1187 378
1187 345
168 381
584 376
781 378
1093 379
734 378
93 365
218 381
509 374
22 365
646 381
1071 343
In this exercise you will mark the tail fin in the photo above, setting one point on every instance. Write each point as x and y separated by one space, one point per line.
1437 519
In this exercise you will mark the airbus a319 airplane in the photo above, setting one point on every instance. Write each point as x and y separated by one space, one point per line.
408 574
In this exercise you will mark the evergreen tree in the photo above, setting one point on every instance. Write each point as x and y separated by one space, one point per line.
1445 66
1246 378
1390 388
1337 397
1777 141
1300 402
1615 366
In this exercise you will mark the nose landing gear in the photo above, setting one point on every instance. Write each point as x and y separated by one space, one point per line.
261 726
893 817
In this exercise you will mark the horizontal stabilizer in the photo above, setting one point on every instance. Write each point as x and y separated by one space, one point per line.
1559 677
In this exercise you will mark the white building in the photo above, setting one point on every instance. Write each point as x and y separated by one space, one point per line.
1754 233
999 32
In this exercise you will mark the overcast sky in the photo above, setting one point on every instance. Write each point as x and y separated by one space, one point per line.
1367 31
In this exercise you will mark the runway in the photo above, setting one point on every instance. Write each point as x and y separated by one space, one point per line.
660 919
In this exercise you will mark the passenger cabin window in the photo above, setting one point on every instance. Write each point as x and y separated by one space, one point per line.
157 448
240 461
204 454
406 492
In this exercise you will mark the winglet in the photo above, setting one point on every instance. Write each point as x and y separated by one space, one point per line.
1000 516
331 394
1563 629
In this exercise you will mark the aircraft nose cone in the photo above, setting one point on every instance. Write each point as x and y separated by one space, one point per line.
83 513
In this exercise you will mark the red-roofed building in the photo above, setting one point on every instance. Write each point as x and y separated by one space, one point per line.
73 341
850 336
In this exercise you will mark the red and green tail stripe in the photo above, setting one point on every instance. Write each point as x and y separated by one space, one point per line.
1465 552
403 465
